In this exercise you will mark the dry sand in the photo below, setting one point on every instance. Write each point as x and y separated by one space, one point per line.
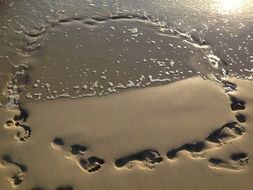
185 135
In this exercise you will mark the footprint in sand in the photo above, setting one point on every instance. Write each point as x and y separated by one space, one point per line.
22 117
196 149
78 153
58 144
148 158
240 117
238 161
19 170
226 133
236 104
229 86
23 131
217 138
65 188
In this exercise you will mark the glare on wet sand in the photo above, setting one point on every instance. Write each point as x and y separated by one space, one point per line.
229 6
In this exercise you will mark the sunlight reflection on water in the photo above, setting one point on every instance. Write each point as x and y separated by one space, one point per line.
229 6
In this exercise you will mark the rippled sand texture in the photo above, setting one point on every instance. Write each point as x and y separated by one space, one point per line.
126 94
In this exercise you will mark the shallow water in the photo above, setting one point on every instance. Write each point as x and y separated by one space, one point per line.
53 49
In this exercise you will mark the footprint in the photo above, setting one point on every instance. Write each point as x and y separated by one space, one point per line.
16 179
58 144
65 188
236 104
9 124
23 131
20 170
7 161
220 136
77 149
229 86
227 132
215 161
78 153
90 164
22 117
194 148
240 158
238 161
240 117
149 158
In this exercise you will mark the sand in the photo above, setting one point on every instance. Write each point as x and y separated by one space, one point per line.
179 136
126 94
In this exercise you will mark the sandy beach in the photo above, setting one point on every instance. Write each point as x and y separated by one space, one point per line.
107 95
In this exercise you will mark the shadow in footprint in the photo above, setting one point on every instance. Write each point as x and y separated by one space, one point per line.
240 117
23 131
237 104
8 159
240 158
190 147
226 132
215 161
65 188
150 157
91 164
25 134
58 144
77 149
9 124
77 153
58 141
229 86
17 177
238 161
22 117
